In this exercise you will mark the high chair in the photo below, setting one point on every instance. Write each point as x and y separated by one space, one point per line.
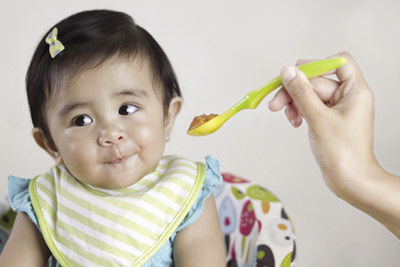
255 227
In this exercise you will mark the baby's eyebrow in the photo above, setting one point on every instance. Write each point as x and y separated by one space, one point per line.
68 108
133 91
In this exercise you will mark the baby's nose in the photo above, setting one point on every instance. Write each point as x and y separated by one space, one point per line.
110 137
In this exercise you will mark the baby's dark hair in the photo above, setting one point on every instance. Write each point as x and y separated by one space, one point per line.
90 38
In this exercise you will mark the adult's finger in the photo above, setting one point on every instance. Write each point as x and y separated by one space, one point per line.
302 93
280 100
324 87
350 71
293 114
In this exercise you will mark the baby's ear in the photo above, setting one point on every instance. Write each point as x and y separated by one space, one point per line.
174 108
47 145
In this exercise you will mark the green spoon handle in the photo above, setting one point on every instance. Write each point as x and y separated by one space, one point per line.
311 70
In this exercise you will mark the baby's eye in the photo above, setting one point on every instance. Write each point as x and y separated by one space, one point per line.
82 120
127 109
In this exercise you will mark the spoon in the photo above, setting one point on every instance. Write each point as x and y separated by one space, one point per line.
252 99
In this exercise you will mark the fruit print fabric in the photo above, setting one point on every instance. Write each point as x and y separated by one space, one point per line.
7 218
256 229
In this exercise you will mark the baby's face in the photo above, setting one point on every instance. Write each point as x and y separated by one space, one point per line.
108 124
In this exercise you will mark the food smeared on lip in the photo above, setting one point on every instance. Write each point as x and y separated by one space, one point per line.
200 120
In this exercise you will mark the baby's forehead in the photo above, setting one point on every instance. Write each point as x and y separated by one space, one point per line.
112 64
114 73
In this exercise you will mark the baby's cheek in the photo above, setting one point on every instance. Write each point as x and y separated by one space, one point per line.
150 142
78 157
150 135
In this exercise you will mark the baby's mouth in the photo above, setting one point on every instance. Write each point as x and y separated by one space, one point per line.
119 160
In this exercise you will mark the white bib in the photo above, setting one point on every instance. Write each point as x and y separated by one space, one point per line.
87 226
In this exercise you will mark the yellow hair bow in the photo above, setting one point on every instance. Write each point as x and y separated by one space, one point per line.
55 46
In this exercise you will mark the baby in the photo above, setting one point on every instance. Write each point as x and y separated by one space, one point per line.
103 99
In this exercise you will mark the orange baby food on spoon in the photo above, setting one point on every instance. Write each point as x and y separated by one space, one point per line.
200 120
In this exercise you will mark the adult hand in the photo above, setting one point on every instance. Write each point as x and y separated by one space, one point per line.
340 117
339 114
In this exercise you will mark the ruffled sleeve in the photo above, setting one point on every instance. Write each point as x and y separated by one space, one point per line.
212 179
19 197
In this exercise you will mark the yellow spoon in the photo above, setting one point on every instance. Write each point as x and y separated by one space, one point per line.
252 99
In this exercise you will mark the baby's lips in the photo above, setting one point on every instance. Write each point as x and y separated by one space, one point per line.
119 160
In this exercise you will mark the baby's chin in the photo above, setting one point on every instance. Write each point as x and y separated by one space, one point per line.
112 175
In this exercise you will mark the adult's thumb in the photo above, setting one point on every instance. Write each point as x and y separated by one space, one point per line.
302 92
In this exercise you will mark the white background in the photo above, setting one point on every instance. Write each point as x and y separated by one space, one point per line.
220 51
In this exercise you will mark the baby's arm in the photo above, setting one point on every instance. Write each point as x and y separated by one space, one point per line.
340 118
26 246
201 243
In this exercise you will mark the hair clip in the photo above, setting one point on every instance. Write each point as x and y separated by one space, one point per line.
55 46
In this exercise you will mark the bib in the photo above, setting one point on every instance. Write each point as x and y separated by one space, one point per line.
88 226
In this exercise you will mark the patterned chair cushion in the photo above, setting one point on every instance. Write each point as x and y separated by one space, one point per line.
256 228
7 218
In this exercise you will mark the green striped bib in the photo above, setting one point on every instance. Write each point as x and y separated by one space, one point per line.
87 226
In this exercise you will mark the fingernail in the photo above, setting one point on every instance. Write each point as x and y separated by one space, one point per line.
288 73
296 122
